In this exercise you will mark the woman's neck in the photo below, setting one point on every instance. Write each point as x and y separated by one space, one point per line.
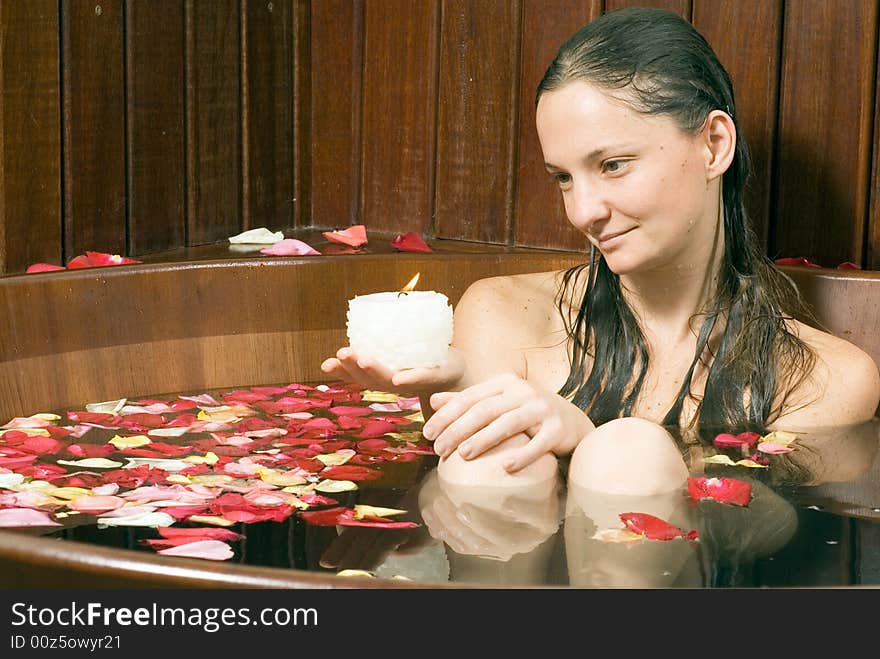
667 299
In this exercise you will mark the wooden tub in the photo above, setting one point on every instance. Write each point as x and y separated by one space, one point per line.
91 335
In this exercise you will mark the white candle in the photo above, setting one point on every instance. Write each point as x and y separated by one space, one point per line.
401 329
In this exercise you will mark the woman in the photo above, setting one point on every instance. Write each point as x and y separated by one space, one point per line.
676 318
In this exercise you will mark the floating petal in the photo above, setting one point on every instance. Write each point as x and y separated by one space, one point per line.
259 236
410 242
354 236
212 550
723 490
290 247
10 517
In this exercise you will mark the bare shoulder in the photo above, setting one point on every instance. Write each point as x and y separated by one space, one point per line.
529 298
499 318
844 387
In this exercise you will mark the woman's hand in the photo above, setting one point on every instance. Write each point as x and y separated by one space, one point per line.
346 365
484 415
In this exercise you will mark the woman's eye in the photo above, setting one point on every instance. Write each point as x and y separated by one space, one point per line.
613 166
562 179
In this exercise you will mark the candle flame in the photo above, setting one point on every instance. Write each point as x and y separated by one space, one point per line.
411 284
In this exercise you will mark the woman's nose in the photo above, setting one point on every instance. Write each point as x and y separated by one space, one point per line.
584 206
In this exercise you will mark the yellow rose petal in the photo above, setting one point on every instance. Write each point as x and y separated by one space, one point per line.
416 417
210 479
719 459
413 436
377 396
360 510
69 493
337 458
616 535
330 485
92 463
305 488
180 479
780 437
355 573
45 416
130 442
281 479
208 458
750 463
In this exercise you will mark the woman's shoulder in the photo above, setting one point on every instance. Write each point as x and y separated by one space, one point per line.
520 293
844 386
524 305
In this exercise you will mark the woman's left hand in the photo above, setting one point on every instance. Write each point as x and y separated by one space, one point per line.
482 416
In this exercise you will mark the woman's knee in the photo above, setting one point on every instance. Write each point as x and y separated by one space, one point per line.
628 456
487 468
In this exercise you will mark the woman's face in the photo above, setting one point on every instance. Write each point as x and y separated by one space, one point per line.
635 185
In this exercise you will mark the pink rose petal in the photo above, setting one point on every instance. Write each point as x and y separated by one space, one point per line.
354 236
25 517
774 448
213 550
96 504
290 247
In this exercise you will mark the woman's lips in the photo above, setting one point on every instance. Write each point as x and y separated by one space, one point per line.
611 239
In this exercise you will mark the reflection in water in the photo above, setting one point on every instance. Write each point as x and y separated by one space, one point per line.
549 529
508 534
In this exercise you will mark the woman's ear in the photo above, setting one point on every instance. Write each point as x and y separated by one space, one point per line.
719 135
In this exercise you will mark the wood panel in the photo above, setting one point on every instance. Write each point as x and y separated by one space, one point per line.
30 135
680 7
302 105
476 124
155 111
94 127
267 113
872 251
825 121
748 44
337 41
539 214
213 120
399 99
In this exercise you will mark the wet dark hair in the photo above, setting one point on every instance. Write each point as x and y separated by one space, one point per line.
659 64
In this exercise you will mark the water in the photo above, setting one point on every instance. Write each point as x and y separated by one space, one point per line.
813 518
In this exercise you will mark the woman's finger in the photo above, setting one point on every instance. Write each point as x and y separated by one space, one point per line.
510 422
461 402
538 446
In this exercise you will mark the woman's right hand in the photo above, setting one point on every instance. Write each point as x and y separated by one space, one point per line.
346 365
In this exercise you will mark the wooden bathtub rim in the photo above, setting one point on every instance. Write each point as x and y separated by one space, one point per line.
28 561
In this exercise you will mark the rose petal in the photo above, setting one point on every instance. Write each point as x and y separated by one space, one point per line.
654 528
410 242
212 550
43 267
290 247
259 236
723 490
797 260
354 236
25 517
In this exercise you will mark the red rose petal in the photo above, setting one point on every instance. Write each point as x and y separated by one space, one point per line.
654 528
43 267
797 260
722 490
410 242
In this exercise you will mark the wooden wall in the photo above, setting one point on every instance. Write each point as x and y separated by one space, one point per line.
136 126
